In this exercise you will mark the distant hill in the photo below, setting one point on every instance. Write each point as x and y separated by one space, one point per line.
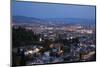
22 19
72 20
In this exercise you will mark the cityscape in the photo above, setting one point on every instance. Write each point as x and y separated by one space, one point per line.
55 39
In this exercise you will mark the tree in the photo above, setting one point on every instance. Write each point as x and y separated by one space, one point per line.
23 37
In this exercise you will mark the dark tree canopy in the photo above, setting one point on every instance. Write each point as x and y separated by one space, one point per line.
23 37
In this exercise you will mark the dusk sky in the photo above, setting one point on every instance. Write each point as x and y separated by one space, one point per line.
43 10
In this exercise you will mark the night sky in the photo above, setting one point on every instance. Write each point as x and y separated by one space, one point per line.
45 10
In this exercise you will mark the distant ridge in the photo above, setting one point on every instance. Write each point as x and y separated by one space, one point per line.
23 19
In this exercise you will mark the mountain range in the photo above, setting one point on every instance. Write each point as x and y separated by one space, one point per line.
23 19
